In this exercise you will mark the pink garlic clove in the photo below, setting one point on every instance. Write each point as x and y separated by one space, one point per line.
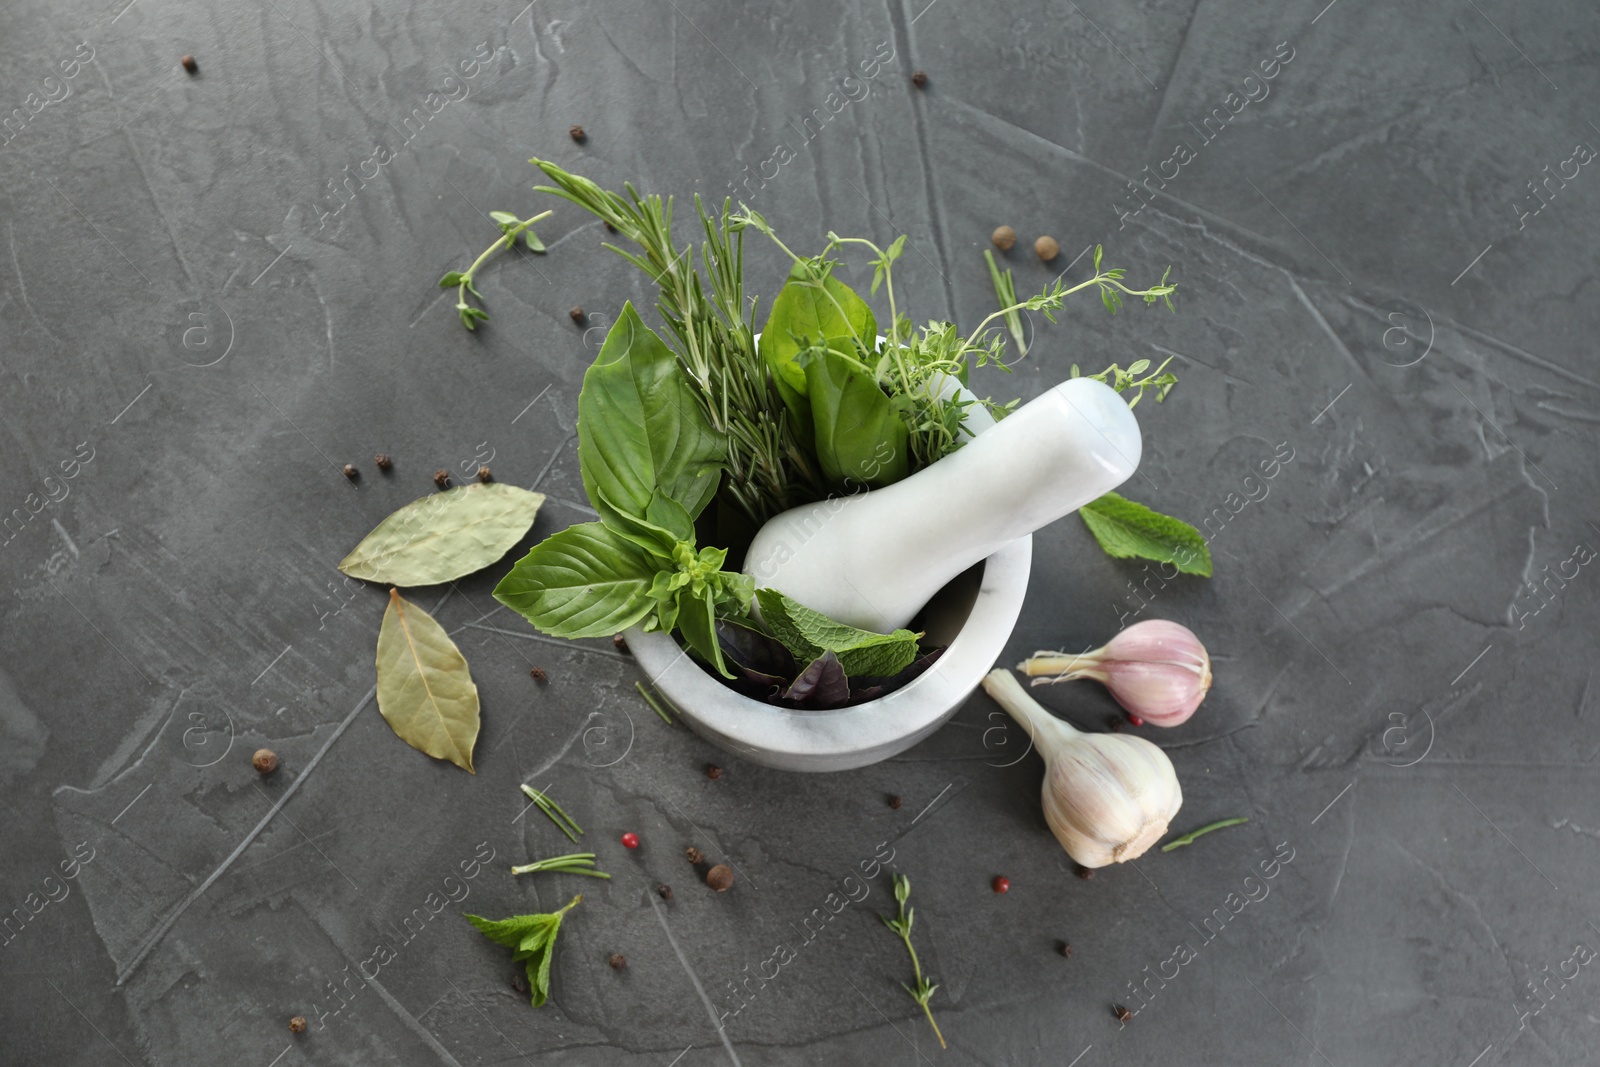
1157 670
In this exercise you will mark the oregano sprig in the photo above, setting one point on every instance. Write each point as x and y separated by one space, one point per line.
922 992
511 228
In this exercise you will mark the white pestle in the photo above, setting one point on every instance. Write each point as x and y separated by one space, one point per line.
874 559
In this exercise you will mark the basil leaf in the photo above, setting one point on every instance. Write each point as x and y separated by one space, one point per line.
641 428
425 690
860 437
697 621
443 536
821 685
756 652
807 634
807 312
584 581
1129 530
658 531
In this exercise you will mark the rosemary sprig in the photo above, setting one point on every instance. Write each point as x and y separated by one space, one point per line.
1189 837
576 863
511 228
1005 291
713 337
553 810
922 992
655 705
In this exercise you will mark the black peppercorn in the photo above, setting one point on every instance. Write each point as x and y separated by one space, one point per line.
664 892
193 68
895 802
1086 873
713 772
576 314
620 642
1122 1013
519 983
485 474
383 461
920 79
578 134
696 857
537 674
351 472
617 961
441 478
1066 949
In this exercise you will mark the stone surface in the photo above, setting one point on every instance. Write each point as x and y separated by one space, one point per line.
215 290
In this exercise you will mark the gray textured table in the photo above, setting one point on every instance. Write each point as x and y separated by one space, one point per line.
216 289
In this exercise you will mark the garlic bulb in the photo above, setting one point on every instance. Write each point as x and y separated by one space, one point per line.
1107 797
1157 670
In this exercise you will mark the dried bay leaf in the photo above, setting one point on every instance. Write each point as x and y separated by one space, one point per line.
444 536
425 690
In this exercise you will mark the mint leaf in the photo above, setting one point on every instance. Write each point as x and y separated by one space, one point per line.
1129 530
534 939
807 634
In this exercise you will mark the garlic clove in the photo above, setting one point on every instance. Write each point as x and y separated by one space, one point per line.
1157 670
1107 797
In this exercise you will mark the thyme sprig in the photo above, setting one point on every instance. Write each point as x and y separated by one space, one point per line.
922 992
511 228
917 367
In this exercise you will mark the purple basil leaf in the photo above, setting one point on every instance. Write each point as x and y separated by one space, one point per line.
821 685
755 651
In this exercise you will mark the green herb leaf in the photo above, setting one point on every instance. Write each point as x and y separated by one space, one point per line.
425 690
532 939
444 536
640 428
808 312
663 525
585 581
1129 530
859 436
453 278
807 634
697 621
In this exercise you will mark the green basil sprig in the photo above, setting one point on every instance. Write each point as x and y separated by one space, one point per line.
650 461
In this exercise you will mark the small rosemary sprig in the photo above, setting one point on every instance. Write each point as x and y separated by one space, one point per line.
576 863
1005 291
655 704
562 820
1189 837
709 320
922 992
511 228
